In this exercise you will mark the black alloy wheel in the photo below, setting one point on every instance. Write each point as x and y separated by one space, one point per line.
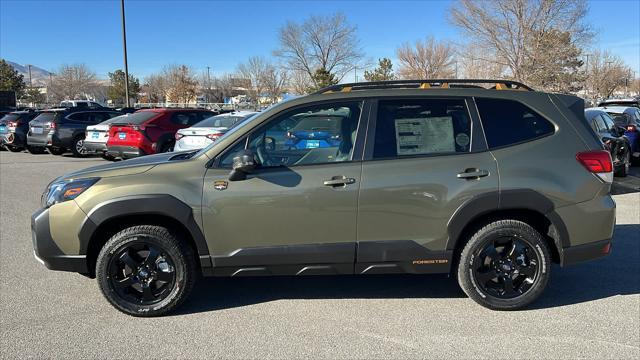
142 274
506 267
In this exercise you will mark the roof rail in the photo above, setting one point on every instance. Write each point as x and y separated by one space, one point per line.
425 84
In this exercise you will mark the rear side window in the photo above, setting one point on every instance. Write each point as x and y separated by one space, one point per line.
508 122
136 118
600 125
421 127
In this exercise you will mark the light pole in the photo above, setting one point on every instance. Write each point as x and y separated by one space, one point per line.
208 85
126 66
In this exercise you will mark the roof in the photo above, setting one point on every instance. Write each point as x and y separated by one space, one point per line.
488 84
238 113
172 109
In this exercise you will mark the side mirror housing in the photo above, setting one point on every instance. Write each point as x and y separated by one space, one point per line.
243 164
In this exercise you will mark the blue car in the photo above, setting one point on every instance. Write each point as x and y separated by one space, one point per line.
627 117
325 132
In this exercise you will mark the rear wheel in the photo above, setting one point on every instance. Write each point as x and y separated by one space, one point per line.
107 157
145 271
624 164
77 147
57 151
36 149
505 265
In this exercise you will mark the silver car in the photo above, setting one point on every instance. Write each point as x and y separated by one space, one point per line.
208 130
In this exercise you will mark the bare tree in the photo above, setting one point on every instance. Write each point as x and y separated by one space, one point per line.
225 85
254 70
426 60
607 73
156 87
476 63
513 32
274 82
182 85
74 82
326 43
299 82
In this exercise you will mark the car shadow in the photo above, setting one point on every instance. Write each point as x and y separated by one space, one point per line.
616 274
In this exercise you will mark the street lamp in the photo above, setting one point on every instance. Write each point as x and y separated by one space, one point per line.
124 45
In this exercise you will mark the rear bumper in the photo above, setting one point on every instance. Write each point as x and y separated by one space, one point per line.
95 147
586 252
47 252
125 152
40 140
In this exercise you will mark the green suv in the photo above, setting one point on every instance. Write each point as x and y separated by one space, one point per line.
486 179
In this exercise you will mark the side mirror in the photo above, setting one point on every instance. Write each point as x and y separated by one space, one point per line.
243 164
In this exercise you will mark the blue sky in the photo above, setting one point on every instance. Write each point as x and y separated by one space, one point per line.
220 34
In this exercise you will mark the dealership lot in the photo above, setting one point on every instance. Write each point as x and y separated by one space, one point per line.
588 310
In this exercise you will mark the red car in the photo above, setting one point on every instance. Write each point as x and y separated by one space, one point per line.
150 131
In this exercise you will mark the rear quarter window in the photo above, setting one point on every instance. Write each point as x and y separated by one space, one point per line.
508 122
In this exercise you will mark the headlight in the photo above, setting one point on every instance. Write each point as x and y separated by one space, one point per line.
63 190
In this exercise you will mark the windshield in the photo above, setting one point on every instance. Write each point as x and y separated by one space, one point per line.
136 118
9 117
226 121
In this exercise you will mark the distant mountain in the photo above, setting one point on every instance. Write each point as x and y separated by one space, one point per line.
39 76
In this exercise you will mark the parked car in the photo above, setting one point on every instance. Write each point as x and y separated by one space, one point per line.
635 102
613 138
150 131
96 136
14 128
62 129
208 130
80 104
629 118
412 187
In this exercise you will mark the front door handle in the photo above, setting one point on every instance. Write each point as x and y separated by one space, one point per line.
338 181
472 173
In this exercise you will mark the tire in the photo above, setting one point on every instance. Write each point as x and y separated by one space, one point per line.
36 149
166 147
56 151
107 157
173 284
623 169
14 148
483 274
77 147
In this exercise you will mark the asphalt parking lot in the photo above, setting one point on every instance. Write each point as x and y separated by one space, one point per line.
590 310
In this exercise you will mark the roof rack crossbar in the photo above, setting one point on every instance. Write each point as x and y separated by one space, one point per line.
425 84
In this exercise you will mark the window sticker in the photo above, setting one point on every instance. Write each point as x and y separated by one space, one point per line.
424 135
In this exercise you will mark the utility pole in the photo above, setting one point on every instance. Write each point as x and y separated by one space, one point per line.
30 82
586 74
126 66
208 85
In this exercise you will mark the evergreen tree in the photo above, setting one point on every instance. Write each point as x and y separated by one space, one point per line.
117 88
11 79
383 72
323 78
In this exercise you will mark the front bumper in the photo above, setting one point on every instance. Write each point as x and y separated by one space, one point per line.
47 252
125 152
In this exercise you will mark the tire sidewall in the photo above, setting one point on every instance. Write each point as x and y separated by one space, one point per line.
114 246
466 276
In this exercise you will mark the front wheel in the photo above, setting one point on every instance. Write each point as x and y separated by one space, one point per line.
36 149
624 165
14 148
145 271
57 151
77 147
505 265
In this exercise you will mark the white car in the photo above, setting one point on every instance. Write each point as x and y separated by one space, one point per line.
208 130
96 136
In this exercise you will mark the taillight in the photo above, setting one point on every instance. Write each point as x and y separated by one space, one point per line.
52 125
597 162
290 135
214 136
179 136
13 124
631 128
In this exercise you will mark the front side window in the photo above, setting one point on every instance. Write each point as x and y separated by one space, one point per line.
508 122
421 127
311 135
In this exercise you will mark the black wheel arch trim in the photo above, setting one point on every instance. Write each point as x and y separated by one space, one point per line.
150 204
517 199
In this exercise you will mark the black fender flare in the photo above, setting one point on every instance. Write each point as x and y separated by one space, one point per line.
517 199
151 204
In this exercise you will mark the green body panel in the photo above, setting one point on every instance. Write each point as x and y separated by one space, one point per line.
414 199
590 221
281 207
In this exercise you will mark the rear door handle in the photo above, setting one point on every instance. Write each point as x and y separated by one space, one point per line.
472 173
338 181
